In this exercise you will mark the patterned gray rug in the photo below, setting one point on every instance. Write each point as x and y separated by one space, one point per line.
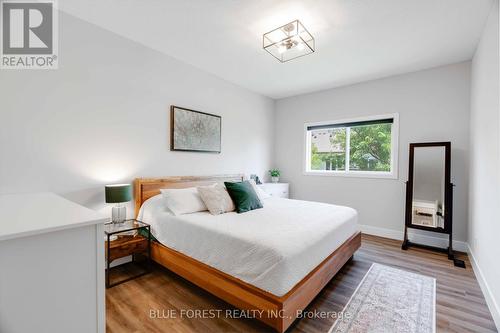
390 300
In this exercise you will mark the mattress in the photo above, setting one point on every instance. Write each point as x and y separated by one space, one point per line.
272 248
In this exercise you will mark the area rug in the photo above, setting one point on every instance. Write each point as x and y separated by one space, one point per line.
390 300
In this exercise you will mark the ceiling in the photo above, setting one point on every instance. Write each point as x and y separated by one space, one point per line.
356 40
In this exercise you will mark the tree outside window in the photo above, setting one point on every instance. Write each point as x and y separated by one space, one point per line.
370 148
350 148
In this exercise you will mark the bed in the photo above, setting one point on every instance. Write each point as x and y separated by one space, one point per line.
259 260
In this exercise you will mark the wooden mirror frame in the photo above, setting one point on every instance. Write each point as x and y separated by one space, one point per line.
448 199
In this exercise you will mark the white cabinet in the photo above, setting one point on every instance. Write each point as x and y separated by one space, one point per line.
51 265
425 213
280 190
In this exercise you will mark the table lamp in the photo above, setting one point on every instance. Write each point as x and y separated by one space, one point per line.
118 194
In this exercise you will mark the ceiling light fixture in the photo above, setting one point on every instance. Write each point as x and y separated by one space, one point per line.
289 41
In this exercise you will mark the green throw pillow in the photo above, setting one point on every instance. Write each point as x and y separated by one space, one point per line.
244 197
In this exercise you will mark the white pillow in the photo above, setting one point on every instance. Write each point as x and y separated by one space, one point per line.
260 192
183 200
151 207
216 199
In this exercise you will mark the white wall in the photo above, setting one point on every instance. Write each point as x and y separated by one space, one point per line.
484 200
103 117
433 106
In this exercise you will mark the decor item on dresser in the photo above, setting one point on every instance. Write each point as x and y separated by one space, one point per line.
275 175
118 194
279 190
194 131
256 179
429 194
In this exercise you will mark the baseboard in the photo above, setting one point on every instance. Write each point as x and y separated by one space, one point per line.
382 232
413 236
490 300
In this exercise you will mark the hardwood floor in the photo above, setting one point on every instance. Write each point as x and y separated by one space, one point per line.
460 304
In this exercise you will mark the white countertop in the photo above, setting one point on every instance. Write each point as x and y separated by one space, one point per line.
24 215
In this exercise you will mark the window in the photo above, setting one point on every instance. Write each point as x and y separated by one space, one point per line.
364 147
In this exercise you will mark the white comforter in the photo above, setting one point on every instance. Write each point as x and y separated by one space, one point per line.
272 248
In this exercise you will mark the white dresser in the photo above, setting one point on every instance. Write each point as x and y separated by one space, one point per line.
280 190
51 265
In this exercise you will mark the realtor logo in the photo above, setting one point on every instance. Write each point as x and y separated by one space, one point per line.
29 34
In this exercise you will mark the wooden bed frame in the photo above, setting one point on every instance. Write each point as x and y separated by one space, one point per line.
277 312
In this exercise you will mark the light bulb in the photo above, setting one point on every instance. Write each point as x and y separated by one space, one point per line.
282 49
300 46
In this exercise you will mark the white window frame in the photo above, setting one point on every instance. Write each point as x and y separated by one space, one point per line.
393 174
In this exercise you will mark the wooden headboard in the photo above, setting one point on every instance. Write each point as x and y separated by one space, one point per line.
145 188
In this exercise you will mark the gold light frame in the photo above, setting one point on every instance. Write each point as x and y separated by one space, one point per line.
290 41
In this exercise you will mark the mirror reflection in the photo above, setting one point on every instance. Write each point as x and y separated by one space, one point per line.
428 187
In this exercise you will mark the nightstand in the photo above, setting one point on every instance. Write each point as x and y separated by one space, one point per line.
133 238
278 190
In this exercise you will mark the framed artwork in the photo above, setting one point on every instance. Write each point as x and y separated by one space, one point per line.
195 131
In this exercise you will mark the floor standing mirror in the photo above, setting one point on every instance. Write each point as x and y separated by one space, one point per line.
429 194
